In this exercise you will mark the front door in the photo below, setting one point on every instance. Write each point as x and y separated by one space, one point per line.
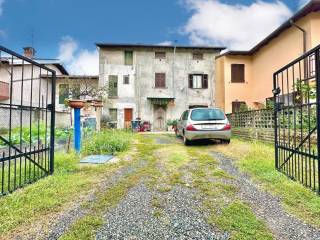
159 118
127 117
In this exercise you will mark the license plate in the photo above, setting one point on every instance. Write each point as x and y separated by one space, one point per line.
210 127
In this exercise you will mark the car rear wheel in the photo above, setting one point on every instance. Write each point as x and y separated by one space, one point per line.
225 141
186 141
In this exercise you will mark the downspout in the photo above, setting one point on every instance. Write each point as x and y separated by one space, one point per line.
304 32
173 73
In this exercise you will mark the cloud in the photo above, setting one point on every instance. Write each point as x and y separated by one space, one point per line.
78 61
165 43
234 26
67 49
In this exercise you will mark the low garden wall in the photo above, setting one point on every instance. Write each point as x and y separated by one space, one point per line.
255 124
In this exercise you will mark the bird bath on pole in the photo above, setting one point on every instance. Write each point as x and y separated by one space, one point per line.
77 105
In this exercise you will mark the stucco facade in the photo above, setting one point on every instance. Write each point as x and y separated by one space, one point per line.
277 50
142 96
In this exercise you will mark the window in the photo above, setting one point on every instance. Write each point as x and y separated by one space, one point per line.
113 113
237 73
198 81
185 115
63 92
113 86
67 91
128 58
207 114
160 55
197 56
126 79
237 106
198 106
160 80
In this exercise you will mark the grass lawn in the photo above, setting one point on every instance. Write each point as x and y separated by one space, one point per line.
257 159
161 167
42 200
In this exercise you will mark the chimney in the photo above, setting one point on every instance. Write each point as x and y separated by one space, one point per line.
29 52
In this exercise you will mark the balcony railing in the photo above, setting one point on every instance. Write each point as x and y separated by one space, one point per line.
4 91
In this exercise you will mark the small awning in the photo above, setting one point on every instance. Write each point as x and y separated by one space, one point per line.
160 101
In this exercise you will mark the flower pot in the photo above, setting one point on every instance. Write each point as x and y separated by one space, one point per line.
97 103
76 103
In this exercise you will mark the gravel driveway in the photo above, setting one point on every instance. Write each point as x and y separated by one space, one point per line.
267 207
135 218
179 193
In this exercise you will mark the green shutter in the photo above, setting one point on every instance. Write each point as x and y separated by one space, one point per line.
128 58
113 86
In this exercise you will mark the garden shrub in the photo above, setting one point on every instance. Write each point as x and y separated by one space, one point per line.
107 142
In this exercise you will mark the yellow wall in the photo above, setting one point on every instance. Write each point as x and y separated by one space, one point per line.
262 64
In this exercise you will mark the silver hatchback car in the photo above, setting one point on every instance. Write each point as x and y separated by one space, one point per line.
204 123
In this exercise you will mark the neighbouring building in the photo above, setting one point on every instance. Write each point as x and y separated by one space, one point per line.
155 83
33 91
36 90
75 86
246 77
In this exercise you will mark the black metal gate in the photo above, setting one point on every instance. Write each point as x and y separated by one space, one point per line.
296 104
27 118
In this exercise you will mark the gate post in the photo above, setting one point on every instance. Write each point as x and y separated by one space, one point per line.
275 115
53 120
317 63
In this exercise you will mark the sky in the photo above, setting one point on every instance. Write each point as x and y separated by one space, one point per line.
69 29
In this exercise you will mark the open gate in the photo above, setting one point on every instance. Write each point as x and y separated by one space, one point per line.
27 119
296 109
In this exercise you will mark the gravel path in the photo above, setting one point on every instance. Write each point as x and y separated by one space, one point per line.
58 224
267 207
177 218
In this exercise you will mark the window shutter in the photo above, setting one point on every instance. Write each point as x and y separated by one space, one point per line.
190 81
237 73
205 81
113 86
160 80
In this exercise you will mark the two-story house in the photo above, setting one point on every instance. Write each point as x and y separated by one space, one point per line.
155 83
30 86
246 77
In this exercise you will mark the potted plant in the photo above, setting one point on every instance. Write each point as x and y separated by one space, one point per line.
76 103
174 124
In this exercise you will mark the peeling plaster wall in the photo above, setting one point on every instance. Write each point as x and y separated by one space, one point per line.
142 80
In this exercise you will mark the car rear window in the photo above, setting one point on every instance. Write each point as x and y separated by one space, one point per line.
207 115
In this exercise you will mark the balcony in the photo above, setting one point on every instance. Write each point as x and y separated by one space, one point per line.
4 91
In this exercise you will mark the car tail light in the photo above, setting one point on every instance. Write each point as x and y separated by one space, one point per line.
227 127
191 128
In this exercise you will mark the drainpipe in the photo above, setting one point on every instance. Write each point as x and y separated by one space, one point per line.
173 63
304 32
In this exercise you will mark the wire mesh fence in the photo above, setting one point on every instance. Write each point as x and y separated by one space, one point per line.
26 122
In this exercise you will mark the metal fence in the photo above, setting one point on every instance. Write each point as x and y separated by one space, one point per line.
263 118
296 113
27 119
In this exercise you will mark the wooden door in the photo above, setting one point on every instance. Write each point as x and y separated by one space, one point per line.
127 117
159 118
